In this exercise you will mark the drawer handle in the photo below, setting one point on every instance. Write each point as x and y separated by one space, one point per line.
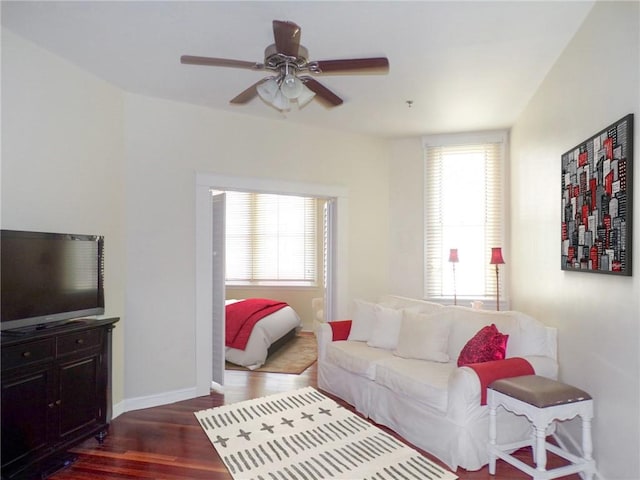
50 405
58 402
26 354
80 341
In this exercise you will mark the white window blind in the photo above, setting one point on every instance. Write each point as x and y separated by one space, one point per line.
271 239
463 210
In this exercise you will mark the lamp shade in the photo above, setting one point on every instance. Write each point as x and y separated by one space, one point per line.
281 102
453 255
306 95
268 89
496 256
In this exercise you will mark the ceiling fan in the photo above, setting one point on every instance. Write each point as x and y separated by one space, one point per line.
288 59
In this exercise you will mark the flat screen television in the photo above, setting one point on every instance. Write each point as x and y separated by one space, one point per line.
47 278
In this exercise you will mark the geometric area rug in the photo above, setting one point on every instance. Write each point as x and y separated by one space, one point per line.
304 435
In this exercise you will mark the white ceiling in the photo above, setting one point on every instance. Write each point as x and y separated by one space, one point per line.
465 65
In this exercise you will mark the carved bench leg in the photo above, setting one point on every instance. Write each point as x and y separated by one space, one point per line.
587 444
541 448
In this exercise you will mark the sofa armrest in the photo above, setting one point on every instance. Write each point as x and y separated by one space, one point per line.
324 336
464 395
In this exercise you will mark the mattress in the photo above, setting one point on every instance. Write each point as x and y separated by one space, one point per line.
265 332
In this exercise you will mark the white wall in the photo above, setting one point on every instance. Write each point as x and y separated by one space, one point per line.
167 143
62 151
406 218
595 82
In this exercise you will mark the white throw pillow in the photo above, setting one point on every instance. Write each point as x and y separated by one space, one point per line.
424 336
386 328
362 322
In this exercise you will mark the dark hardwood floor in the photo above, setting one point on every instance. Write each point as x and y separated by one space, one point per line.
166 442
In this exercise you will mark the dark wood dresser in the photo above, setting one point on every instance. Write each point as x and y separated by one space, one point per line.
56 392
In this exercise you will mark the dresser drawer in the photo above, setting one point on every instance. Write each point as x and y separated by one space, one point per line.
79 341
28 353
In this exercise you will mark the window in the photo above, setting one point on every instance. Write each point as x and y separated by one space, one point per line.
271 239
464 210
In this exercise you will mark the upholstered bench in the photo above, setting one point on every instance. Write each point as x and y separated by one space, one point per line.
542 401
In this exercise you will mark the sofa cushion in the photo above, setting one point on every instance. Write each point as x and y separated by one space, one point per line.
424 336
386 328
356 357
427 382
527 336
485 346
362 321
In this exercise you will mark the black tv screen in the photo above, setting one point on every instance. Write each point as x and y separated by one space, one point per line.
49 277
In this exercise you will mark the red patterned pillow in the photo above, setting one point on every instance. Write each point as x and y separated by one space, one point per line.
340 329
486 345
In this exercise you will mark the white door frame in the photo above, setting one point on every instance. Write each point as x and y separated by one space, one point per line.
204 265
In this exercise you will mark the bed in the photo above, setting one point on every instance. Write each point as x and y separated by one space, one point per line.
278 323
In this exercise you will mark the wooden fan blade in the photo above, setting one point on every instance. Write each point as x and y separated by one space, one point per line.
247 95
322 92
220 62
354 65
287 37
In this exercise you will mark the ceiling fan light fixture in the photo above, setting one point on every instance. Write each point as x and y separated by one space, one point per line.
268 89
286 58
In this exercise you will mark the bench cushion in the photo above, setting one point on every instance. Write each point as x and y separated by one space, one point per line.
539 391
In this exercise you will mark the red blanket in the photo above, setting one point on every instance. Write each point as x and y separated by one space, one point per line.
489 372
243 315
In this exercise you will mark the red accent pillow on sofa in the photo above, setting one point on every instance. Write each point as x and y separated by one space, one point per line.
341 329
486 345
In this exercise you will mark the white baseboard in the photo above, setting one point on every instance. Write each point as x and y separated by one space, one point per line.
165 398
117 410
216 387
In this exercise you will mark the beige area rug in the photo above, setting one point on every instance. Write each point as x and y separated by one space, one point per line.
295 356
304 435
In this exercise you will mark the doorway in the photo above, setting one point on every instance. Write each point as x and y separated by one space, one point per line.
274 248
210 282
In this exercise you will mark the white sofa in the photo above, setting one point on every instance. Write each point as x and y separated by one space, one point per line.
435 405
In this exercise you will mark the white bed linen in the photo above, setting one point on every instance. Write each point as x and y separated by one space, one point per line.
265 332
